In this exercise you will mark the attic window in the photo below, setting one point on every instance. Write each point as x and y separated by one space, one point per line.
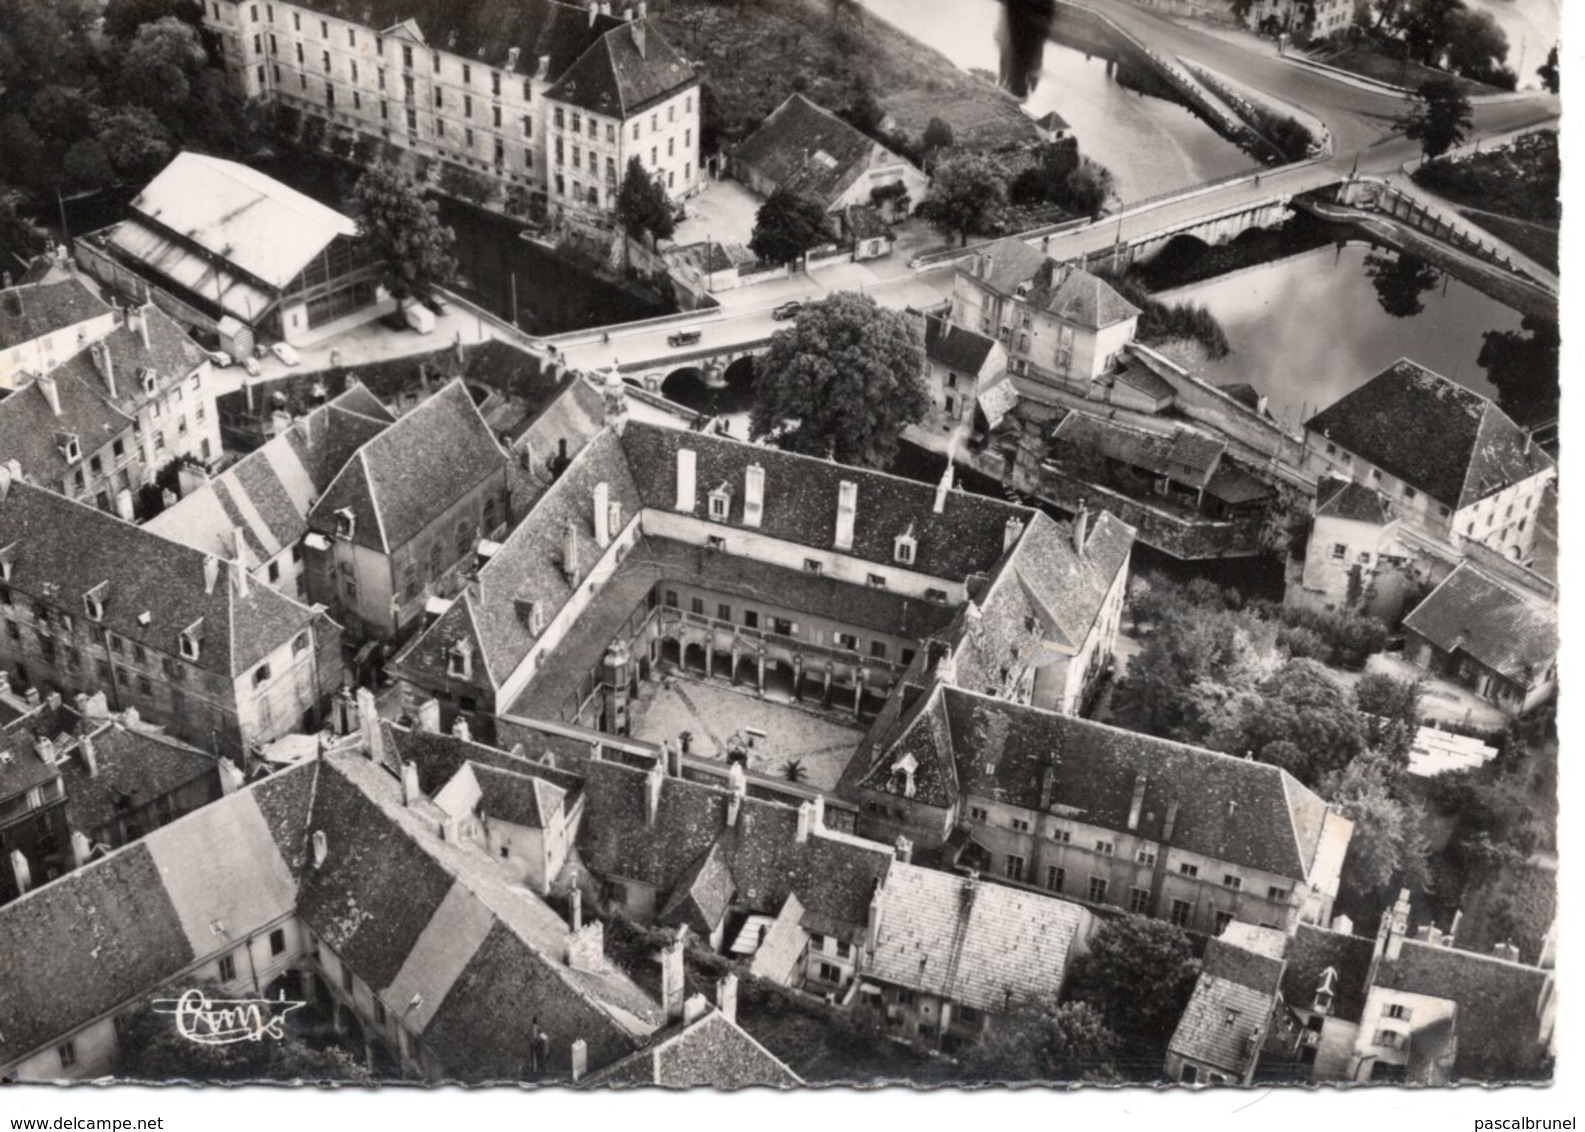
70 448
720 501
261 674
346 523
460 660
190 638
150 379
94 602
903 549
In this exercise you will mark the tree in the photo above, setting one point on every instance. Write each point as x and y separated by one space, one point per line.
64 114
1478 47
968 196
1046 180
642 206
1042 1041
1400 280
161 67
1301 704
1548 72
137 145
1193 671
786 226
1428 28
1088 188
1439 119
938 132
1241 10
123 18
1523 366
404 232
1388 848
1138 973
842 382
1391 708
17 238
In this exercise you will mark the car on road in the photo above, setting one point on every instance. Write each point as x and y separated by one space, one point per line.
287 355
438 305
787 309
252 366
684 338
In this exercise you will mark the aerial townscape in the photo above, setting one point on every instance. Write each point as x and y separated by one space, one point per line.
779 542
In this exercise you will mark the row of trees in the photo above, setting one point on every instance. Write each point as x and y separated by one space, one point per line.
974 194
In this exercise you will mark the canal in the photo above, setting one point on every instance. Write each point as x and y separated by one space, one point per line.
1151 145
1308 328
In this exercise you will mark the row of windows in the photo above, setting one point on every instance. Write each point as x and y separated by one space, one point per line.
561 117
782 626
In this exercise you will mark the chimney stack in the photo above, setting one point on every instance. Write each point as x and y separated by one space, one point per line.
44 748
140 322
240 566
737 779
673 759
1012 533
211 573
753 495
90 757
671 976
694 1008
52 394
847 511
1172 820
580 1059
569 551
872 925
321 848
411 795
1397 925
726 996
687 486
942 488
1081 522
637 27
652 787
903 850
577 907
806 812
1138 803
1048 782
602 514
947 667
100 353
461 730
428 717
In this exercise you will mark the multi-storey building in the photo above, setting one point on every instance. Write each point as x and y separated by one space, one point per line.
90 602
107 418
552 96
1099 814
43 324
35 836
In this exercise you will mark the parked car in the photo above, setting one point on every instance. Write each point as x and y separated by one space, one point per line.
219 359
787 309
252 366
684 338
437 304
287 355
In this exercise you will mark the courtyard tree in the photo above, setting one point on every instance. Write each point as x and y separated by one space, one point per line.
1439 119
968 196
404 232
1302 705
1388 848
842 382
786 226
642 206
1138 974
1044 1041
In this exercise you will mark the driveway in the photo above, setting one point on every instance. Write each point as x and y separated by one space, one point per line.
723 213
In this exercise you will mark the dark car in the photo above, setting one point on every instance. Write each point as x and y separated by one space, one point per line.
684 338
786 310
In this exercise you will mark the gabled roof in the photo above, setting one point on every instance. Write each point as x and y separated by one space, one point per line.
1070 293
1499 1006
110 932
619 78
1345 499
526 800
1189 457
32 434
701 898
169 353
134 768
998 749
712 1051
1508 630
1241 965
235 214
809 151
1311 952
1223 1025
65 549
35 310
956 347
979 944
1431 433
439 757
407 475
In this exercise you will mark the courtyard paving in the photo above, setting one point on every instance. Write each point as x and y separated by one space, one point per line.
715 713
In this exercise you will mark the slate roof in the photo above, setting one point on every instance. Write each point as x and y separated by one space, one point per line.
712 1051
108 933
268 493
35 310
807 150
984 945
1310 952
170 353
1188 457
23 769
65 549
701 898
1218 1023
1432 433
1510 631
408 474
617 78
779 951
1260 973
525 800
1011 262
956 347
1070 293
800 504
1346 499
135 767
33 435
992 748
832 875
1498 1006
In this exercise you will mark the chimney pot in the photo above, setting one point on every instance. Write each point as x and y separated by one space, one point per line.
753 495
847 512
942 488
687 484
411 795
726 996
1081 523
580 1059
602 514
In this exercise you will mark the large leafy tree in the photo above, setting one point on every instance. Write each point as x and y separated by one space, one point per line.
786 226
1193 674
1138 973
1523 365
642 206
404 231
843 382
1388 848
1044 1041
123 18
1440 118
1548 72
1303 707
968 196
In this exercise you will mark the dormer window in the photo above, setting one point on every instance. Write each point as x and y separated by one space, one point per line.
346 523
720 503
150 380
94 602
905 547
190 639
8 555
70 448
460 659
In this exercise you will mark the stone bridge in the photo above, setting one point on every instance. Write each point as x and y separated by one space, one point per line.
1213 229
712 364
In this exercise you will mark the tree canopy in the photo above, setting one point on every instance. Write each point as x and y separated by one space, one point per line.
1388 848
1139 973
842 382
968 196
1548 73
404 232
786 226
1301 705
642 206
1440 119
1044 1041
1523 365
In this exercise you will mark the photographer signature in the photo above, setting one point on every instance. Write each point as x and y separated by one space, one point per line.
224 1021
